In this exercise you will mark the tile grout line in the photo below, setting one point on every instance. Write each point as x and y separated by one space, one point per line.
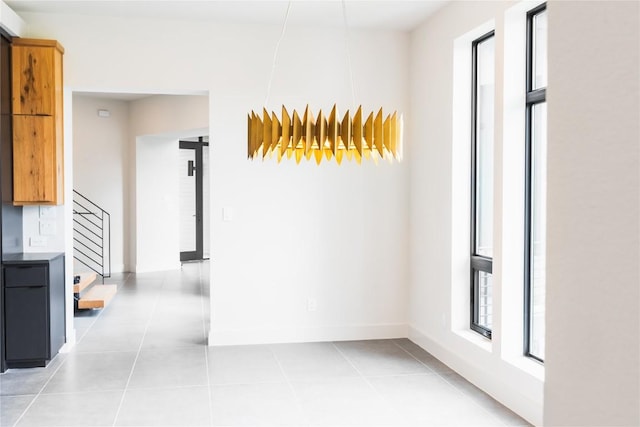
97 317
450 383
415 358
375 390
38 395
54 373
109 390
101 312
296 397
240 383
392 407
428 367
135 361
206 347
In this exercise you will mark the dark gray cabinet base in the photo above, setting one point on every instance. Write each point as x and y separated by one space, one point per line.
33 308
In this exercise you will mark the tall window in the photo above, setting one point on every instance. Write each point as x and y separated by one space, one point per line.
535 182
483 83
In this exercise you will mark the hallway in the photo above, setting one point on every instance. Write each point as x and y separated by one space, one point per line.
142 361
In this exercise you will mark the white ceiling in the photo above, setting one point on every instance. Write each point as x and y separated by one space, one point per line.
367 14
401 15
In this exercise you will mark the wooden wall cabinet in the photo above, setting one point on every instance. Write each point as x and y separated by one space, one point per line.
38 146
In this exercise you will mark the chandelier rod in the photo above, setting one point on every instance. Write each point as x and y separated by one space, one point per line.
348 53
275 53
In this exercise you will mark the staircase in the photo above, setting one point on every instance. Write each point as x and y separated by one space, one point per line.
91 249
98 296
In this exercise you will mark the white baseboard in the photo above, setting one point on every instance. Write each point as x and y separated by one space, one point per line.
118 268
151 268
503 387
70 343
223 337
81 268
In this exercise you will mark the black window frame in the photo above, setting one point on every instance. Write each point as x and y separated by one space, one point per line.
478 263
533 97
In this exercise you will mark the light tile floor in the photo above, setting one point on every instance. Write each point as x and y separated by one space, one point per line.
143 361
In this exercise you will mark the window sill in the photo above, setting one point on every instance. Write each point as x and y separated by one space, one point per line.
476 339
527 365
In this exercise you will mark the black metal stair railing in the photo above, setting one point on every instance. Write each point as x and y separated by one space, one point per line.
91 235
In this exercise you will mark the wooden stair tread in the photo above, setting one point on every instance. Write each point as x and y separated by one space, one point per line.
85 280
97 297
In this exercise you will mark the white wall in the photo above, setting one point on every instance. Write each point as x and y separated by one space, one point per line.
592 351
337 234
33 239
154 236
100 146
593 291
105 167
10 21
169 114
157 204
439 215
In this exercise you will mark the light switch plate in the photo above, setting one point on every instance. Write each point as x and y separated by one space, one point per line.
47 211
227 214
47 228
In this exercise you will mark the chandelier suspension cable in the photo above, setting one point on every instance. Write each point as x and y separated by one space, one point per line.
356 135
275 53
348 53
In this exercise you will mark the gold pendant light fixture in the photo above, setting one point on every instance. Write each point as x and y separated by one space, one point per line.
352 137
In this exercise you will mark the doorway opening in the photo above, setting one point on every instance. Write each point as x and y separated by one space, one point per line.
194 195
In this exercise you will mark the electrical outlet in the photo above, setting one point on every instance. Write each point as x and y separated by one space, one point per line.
47 228
312 304
37 242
